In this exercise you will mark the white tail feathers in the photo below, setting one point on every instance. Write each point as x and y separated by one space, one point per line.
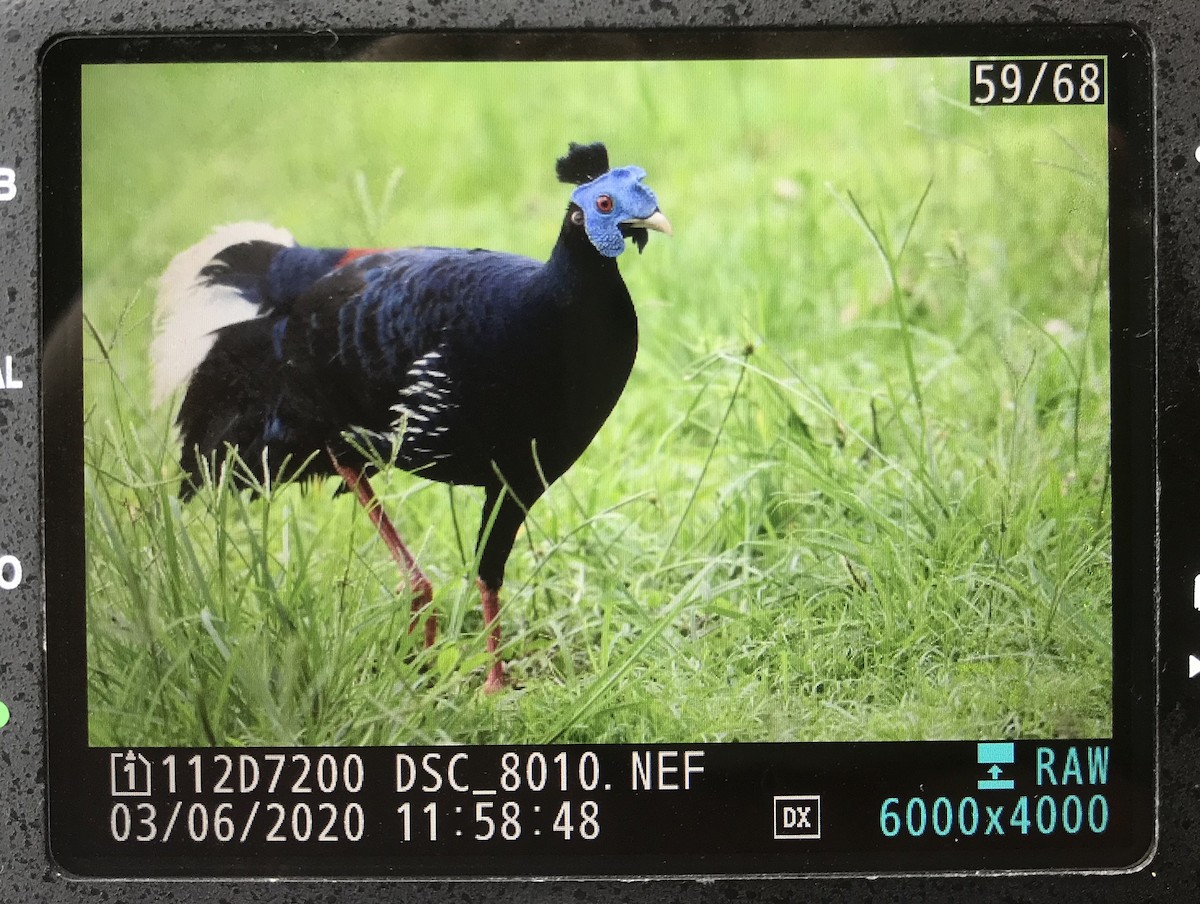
188 312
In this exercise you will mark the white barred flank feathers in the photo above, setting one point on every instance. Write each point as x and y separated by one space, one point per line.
188 313
417 393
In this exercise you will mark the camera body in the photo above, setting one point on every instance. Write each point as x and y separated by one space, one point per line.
1033 54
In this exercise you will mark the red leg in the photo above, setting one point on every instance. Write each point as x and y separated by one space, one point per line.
422 590
491 621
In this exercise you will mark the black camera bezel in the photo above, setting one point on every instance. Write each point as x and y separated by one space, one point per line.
1132 262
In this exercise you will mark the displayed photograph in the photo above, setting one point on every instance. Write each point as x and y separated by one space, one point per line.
588 402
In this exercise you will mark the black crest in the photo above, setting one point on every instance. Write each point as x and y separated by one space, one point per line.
583 163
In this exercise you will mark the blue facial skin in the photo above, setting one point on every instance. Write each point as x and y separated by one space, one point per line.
631 201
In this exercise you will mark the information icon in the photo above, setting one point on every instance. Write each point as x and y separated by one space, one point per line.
130 773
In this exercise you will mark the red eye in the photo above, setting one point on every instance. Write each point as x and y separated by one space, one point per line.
604 204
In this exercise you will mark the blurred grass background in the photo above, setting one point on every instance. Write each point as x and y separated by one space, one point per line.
857 487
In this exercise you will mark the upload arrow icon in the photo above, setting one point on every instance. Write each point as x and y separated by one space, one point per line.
998 754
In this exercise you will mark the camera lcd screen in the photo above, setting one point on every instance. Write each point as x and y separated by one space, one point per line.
617 454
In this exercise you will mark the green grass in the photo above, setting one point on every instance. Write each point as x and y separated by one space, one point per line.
857 487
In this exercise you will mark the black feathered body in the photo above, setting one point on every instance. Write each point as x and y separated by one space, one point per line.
465 366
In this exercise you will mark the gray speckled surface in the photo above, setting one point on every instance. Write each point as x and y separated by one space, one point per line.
25 873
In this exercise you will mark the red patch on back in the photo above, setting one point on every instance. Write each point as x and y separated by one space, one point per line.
354 254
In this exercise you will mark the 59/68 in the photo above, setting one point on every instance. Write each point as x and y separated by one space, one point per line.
1024 82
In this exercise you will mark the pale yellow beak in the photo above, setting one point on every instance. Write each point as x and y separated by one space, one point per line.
656 221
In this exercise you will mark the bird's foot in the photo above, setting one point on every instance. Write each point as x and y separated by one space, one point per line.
496 679
490 597
421 592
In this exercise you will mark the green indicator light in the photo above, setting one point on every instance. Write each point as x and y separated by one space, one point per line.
3 714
